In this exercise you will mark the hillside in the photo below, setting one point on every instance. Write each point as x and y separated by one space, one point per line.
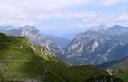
20 60
118 68
94 46
121 69
36 37
123 75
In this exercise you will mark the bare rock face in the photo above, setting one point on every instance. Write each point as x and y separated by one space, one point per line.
97 47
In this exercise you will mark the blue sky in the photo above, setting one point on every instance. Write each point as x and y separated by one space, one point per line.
62 16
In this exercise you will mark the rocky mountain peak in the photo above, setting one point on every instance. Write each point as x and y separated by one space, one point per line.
97 47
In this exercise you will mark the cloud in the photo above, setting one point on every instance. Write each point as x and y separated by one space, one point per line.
112 2
34 11
113 18
122 18
69 15
31 11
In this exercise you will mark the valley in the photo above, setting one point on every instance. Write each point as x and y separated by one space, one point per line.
94 46
86 58
63 40
22 61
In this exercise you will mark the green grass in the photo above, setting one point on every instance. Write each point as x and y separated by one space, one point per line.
123 74
20 60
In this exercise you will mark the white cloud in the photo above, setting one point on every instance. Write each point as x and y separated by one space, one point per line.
112 2
33 11
109 19
30 11
70 15
122 18
113 18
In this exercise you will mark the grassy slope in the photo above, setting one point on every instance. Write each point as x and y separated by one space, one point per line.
124 75
20 60
121 69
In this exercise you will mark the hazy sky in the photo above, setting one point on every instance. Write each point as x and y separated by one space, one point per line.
63 14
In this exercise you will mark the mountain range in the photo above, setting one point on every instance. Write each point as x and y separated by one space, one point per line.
94 46
37 38
63 42
22 61
99 46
